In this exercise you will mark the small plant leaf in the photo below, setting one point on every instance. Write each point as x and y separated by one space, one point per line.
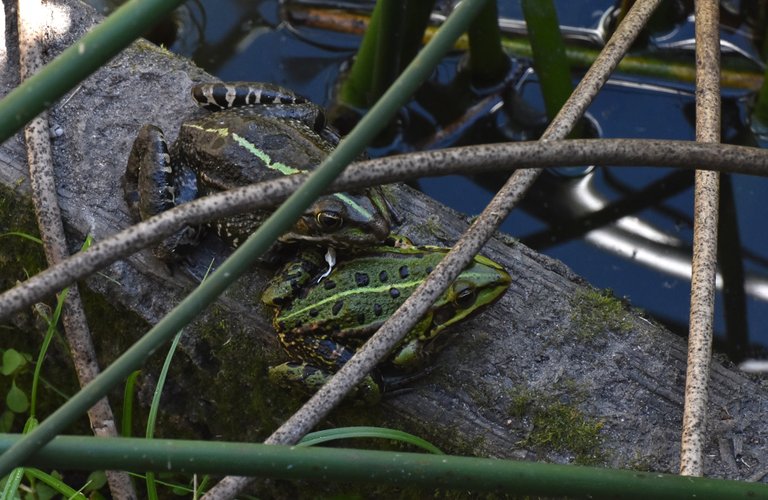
13 361
44 492
96 480
16 400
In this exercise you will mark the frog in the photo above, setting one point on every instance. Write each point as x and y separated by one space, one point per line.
250 132
321 323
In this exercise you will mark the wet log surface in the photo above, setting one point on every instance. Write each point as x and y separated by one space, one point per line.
550 372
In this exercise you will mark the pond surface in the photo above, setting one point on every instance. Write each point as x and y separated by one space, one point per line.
643 254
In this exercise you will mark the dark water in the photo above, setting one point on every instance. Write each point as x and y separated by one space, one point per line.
644 253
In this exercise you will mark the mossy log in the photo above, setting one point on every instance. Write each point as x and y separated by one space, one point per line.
554 371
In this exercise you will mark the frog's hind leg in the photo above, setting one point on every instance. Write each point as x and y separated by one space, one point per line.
153 184
148 174
327 357
311 378
218 96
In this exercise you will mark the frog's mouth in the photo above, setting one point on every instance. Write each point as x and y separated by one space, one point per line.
351 239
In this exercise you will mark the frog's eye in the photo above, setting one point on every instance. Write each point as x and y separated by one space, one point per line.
329 221
465 295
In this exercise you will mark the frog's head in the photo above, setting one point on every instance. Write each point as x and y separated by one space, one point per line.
342 220
482 283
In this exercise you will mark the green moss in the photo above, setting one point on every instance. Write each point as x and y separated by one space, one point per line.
564 428
521 402
557 425
596 311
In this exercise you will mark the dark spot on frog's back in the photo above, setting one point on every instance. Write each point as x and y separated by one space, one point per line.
394 293
329 284
404 272
377 309
383 276
275 141
361 279
361 318
337 307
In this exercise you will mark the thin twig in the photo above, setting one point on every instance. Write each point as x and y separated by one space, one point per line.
400 323
503 157
704 241
32 26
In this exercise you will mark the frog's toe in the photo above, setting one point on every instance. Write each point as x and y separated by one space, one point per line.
176 246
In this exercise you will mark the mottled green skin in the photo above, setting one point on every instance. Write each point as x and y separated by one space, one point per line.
321 325
243 145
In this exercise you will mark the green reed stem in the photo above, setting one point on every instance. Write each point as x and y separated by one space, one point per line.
358 83
488 62
368 466
393 38
549 57
760 111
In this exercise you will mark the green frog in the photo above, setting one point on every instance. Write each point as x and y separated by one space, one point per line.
321 324
256 132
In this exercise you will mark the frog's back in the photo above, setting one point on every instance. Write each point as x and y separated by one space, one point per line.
360 294
240 146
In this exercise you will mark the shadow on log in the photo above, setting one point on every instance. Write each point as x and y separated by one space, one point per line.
554 371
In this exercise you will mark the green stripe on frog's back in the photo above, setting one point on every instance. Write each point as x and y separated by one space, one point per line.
262 155
402 288
277 166
357 292
265 158
287 170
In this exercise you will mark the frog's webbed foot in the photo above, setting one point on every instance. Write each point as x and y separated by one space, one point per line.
177 246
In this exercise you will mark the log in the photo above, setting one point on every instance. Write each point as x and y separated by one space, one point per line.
555 371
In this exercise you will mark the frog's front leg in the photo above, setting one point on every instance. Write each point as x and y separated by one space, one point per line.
296 273
153 184
410 355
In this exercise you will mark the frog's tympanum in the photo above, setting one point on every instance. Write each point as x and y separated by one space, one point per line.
322 323
256 132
